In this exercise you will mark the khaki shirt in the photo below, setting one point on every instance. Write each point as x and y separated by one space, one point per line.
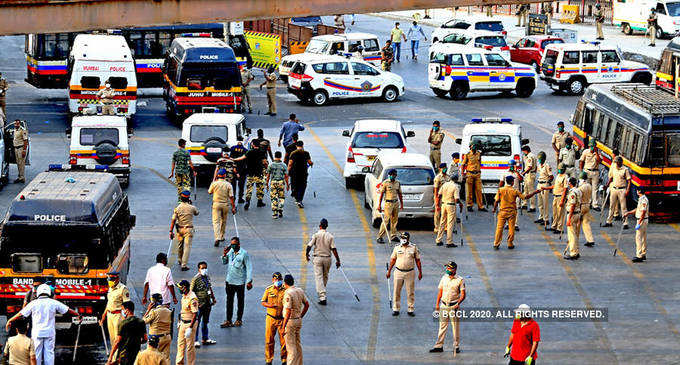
642 205
116 296
573 199
106 95
293 301
274 295
221 190
507 198
436 137
322 242
151 356
189 306
246 76
530 163
391 190
450 192
568 156
184 215
544 172
451 288
270 80
560 185
19 350
406 256
559 139
515 182
586 191
159 320
439 180
473 162
3 87
589 159
620 176
20 137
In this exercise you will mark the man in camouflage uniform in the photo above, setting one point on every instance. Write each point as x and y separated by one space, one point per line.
256 161
277 174
181 167
225 162
435 140
387 56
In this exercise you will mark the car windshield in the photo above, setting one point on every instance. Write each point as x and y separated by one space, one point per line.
457 38
493 145
377 140
551 41
494 41
200 133
492 26
415 176
673 8
94 136
317 46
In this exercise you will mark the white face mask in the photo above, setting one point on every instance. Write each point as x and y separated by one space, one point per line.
403 241
203 272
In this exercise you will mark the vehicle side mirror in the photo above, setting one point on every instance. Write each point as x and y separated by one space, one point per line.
345 133
133 220
525 141
130 131
410 134
366 169
459 141
248 131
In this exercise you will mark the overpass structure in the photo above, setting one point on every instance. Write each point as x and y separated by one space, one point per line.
51 16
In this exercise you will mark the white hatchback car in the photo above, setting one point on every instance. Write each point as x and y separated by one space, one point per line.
317 80
367 138
490 41
469 23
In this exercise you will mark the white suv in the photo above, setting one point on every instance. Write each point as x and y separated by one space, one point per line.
367 138
469 23
490 41
317 80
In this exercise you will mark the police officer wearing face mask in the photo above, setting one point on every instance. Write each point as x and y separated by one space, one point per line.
559 139
390 190
435 140
439 180
545 176
272 299
118 293
568 157
405 257
159 318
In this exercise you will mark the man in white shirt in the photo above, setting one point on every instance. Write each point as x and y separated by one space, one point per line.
42 312
159 280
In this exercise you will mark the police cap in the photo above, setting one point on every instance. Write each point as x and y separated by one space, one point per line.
184 283
392 172
221 172
512 162
451 265
405 235
277 275
541 155
560 123
185 193
157 297
561 166
442 165
455 155
436 122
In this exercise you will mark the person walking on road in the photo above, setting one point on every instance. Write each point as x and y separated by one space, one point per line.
525 335
522 15
619 178
651 27
559 140
182 167
182 221
299 163
277 183
507 197
599 19
642 219
416 34
42 312
20 143
450 296
339 21
405 257
590 164
246 78
223 197
450 197
435 140
323 244
159 280
117 295
188 323
439 180
4 86
151 355
256 160
472 168
390 190
265 144
387 56
160 320
573 208
396 35
237 151
202 287
290 128
239 277
545 177
131 335
20 349
270 81
272 299
295 306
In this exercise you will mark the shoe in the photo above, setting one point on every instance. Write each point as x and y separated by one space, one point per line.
247 205
395 239
531 210
597 209
197 344
238 323
483 209
226 324
380 240
457 220
617 218
644 257
440 243
322 302
209 342
395 313
652 45
469 209
179 262
607 225
427 17
437 349
19 181
260 203
280 214
250 111
517 228
268 363
267 113
272 114
523 207
412 314
589 244
511 247
575 257
540 221
241 201
275 216
625 226
451 245
217 243
496 248
457 350
637 259
556 231
548 229
184 268
600 39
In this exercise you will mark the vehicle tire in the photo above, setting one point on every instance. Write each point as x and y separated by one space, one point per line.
126 182
439 92
642 78
4 173
659 33
106 151
390 94
576 86
376 222
320 97
214 142
459 90
524 88
625 27
348 183
366 205
284 78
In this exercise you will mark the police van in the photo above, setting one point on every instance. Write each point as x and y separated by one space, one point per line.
348 44
500 140
69 229
319 79
457 70
96 59
571 67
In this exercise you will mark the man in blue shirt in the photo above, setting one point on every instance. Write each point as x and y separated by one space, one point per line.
288 129
239 277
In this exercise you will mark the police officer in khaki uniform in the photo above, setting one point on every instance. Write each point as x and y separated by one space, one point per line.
390 190
20 143
619 178
599 19
270 82
118 293
435 140
529 176
450 296
586 218
651 27
507 197
223 197
272 299
573 209
295 306
590 164
545 177
559 189
106 95
472 171
159 318
439 180
183 221
246 77
450 197
642 219
405 256
323 244
187 326
151 355
4 86
559 140
568 157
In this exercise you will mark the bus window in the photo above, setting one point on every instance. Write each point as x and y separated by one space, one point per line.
90 82
626 143
164 40
635 149
673 152
617 134
607 129
55 47
26 262
118 82
72 264
656 151
171 69
588 121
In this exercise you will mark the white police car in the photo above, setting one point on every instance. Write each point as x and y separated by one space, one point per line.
488 40
319 79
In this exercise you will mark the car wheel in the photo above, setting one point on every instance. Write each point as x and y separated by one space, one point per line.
439 92
459 91
348 183
576 86
390 94
320 98
126 182
627 29
284 78
524 88
642 78
659 33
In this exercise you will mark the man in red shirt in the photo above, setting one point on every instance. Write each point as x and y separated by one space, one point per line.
524 338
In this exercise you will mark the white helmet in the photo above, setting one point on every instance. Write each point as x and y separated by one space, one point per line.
44 289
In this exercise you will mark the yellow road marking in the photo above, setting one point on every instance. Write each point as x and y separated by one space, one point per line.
305 239
163 177
481 269
675 226
370 252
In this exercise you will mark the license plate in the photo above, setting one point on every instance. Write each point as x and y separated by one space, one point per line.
86 320
214 150
371 158
412 196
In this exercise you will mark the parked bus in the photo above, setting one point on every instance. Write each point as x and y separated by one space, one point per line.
669 65
201 75
643 123
46 56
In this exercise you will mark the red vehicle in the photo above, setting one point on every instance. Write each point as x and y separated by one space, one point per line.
529 49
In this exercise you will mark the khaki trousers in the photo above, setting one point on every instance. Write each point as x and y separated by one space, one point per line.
21 162
529 186
107 109
652 34
112 323
573 234
220 211
246 97
435 157
447 222
599 30
558 214
271 99
292 339
185 236
617 197
164 346
437 217
184 343
473 183
402 278
641 239
444 322
594 180
321 267
391 217
586 220
543 203
509 217
271 328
